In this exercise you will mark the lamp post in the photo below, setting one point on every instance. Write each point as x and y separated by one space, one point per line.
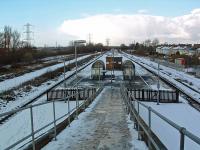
64 73
99 73
113 61
112 71
158 84
76 43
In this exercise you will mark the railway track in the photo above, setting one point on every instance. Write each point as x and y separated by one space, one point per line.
191 100
2 120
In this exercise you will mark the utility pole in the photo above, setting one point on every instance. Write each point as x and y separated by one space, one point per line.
113 62
28 33
158 84
89 38
76 43
133 48
64 73
99 73
107 42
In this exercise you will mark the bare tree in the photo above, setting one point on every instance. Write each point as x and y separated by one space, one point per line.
155 42
15 40
1 40
7 37
147 42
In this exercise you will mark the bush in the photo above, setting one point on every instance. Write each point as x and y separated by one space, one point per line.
28 57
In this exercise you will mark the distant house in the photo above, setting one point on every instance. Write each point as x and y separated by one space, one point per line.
180 61
191 52
198 50
179 49
159 50
167 50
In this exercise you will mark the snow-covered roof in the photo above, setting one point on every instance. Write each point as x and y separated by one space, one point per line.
166 48
159 47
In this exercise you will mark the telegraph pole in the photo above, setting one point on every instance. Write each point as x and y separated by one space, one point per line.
107 42
158 84
56 44
89 36
28 33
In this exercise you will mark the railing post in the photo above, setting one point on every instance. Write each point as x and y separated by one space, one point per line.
65 94
77 102
69 121
138 107
47 95
149 116
149 123
54 118
138 126
182 138
85 99
32 127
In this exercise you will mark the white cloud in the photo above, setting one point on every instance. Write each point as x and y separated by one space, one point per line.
143 11
49 37
123 28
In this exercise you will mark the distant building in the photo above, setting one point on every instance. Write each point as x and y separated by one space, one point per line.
198 51
159 50
169 50
180 61
165 50
113 63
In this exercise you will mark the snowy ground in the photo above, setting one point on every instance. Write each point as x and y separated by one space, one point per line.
180 113
11 83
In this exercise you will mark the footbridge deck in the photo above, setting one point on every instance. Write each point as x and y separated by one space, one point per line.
103 126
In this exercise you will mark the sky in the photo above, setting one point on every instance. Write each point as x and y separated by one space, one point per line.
122 21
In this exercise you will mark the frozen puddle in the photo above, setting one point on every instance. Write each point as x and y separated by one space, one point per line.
103 126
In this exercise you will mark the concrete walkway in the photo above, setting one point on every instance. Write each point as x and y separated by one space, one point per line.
104 127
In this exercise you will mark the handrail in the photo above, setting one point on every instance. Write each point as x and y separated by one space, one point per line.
173 124
141 125
183 131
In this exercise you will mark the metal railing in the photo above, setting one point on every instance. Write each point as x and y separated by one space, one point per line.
133 107
151 95
54 122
